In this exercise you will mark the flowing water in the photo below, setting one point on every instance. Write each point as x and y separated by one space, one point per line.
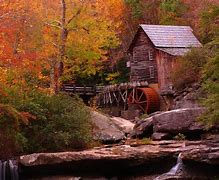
8 170
177 169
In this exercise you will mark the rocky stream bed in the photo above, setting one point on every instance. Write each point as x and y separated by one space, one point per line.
155 157
128 161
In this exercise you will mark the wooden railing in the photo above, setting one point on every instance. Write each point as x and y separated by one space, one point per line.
82 90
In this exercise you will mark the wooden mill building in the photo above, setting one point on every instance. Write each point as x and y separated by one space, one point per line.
153 55
154 50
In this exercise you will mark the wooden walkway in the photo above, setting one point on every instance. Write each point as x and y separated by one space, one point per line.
82 90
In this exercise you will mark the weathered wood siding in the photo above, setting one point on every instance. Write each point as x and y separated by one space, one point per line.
143 59
165 64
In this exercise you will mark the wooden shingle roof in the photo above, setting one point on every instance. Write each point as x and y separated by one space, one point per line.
175 51
163 36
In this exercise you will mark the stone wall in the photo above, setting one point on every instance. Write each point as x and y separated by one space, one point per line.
188 97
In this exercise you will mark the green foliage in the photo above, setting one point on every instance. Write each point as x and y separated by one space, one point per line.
136 7
119 74
56 122
143 11
146 141
174 6
209 23
210 72
112 77
11 141
143 116
123 71
198 65
189 68
211 86
66 125
116 74
172 12
180 137
88 51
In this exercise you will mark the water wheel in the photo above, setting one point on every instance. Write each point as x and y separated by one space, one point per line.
146 99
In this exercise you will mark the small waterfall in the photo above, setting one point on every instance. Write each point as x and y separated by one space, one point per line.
8 170
177 169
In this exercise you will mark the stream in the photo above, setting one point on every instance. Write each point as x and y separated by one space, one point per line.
8 170
177 169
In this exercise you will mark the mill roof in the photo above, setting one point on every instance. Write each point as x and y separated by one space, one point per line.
174 40
171 36
175 51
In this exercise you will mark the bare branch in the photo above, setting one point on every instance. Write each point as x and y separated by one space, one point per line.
57 22
3 15
63 11
77 13
74 16
53 25
54 44
85 29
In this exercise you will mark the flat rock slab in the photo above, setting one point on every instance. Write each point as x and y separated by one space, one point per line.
205 155
159 155
117 152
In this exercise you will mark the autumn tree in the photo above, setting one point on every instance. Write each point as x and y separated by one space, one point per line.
78 35
20 39
210 27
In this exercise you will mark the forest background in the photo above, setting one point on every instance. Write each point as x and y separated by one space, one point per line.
44 43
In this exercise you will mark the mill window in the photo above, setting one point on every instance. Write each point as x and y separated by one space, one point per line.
151 70
128 64
134 58
150 55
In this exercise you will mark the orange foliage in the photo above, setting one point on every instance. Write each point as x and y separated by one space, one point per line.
16 23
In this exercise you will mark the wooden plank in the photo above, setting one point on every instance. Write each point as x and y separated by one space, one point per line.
89 90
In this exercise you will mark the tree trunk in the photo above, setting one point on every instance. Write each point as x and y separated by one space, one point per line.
64 34
53 75
63 37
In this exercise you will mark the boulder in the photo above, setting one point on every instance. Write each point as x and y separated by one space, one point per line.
123 124
143 128
180 121
105 130
130 114
109 130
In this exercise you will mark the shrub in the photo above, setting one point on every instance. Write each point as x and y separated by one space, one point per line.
58 122
189 68
143 116
179 137
146 141
62 124
11 141
55 122
211 87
